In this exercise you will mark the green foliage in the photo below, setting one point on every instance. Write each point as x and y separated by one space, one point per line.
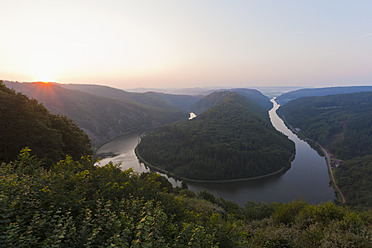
342 124
24 122
77 204
73 203
106 115
234 139
354 178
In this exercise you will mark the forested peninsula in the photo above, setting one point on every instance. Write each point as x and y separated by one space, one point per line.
233 139
75 203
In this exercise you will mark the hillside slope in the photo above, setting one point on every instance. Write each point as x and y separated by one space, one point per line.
102 118
286 97
215 98
75 203
26 123
168 101
234 139
342 124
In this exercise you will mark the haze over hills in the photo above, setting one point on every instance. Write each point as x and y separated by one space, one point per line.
102 118
232 139
270 91
26 123
343 124
169 101
74 203
286 97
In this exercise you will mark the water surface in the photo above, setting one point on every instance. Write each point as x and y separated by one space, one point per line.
121 150
307 178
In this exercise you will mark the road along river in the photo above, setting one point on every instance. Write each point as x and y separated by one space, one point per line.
307 178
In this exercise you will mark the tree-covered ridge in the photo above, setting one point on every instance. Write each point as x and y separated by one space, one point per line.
209 101
167 101
102 118
256 96
215 98
25 122
74 203
77 204
342 124
234 139
354 177
286 97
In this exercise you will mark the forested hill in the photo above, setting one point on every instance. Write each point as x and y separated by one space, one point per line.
256 96
286 97
26 123
343 124
168 101
102 118
215 98
74 203
233 139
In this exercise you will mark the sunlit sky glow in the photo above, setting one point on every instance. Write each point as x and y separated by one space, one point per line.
189 43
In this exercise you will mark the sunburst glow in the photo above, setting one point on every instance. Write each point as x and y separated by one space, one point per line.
146 44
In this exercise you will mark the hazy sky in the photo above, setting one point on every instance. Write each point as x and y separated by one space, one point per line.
174 43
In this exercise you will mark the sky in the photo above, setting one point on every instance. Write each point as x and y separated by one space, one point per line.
187 43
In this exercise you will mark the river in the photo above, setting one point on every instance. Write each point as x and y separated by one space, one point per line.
307 178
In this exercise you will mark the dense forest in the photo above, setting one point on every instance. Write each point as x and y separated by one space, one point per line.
215 98
102 117
233 139
21 119
354 177
74 203
286 97
343 124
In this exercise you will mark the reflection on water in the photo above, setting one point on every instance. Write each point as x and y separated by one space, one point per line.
121 150
306 179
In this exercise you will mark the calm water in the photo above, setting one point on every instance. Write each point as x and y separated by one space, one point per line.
306 179
121 150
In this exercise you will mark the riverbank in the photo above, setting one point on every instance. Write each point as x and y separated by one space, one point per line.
282 170
323 152
328 160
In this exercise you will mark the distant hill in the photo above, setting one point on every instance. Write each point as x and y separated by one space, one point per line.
286 97
343 124
256 96
215 98
168 101
26 123
233 139
102 118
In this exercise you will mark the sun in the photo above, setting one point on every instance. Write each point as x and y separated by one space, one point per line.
44 67
43 78
44 75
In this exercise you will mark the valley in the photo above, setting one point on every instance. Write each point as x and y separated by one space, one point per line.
306 179
78 200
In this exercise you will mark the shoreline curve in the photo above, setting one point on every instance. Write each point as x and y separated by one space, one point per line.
283 169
